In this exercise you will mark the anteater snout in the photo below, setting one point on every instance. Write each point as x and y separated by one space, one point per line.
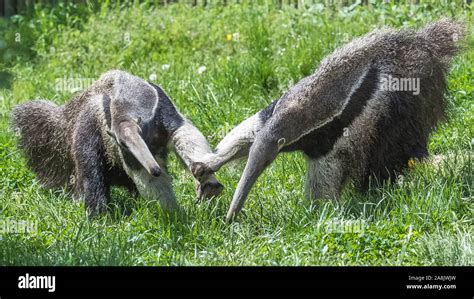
155 171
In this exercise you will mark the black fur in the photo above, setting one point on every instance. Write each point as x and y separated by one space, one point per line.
321 141
167 115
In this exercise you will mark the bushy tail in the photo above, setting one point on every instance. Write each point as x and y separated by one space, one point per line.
444 39
41 131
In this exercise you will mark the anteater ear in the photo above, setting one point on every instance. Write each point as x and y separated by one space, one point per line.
129 136
281 143
113 136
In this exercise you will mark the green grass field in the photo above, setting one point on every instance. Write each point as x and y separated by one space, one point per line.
425 219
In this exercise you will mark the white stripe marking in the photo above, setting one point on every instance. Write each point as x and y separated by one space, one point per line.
346 102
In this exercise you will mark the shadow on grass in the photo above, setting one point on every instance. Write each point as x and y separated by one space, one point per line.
6 80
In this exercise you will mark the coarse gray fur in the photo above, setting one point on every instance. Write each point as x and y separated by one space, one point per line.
348 126
117 132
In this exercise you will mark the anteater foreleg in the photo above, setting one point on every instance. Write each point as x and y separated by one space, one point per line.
88 155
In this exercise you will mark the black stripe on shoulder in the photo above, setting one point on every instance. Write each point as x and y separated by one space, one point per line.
166 112
321 141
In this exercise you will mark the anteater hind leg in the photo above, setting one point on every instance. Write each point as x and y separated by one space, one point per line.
87 153
325 177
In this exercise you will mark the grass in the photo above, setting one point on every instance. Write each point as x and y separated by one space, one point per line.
426 219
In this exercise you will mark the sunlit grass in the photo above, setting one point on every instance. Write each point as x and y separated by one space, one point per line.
426 219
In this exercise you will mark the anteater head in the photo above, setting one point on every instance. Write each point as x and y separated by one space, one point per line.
133 123
128 134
